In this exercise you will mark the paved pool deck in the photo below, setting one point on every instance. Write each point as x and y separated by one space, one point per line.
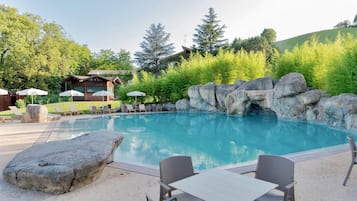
319 174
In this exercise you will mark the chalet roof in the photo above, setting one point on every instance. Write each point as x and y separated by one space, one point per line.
82 78
176 57
79 77
115 79
111 72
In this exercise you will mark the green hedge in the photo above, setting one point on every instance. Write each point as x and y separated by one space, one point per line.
326 66
331 66
224 68
343 77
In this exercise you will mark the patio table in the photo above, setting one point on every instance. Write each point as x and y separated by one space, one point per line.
219 184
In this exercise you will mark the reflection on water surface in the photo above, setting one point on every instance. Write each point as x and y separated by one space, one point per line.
212 139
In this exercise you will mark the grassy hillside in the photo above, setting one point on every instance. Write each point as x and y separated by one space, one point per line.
321 35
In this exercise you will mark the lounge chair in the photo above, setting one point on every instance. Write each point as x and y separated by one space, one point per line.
106 109
130 108
158 108
173 169
278 170
17 112
354 157
53 117
74 110
93 110
142 108
61 112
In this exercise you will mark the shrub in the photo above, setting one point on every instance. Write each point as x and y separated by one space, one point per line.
315 60
343 78
20 103
224 68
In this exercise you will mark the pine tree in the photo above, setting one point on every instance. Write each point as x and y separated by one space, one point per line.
154 47
209 35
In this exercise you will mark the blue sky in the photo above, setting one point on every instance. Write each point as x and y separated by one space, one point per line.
121 24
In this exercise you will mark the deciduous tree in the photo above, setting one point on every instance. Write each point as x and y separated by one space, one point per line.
110 60
269 34
264 42
343 24
32 52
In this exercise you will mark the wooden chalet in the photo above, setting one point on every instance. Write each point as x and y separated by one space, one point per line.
89 85
175 59
5 101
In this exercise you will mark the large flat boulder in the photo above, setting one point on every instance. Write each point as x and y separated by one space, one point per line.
61 166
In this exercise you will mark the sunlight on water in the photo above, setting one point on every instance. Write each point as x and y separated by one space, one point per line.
212 139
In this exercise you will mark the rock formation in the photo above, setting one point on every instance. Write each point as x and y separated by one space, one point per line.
61 166
288 98
35 113
285 101
203 99
182 105
222 91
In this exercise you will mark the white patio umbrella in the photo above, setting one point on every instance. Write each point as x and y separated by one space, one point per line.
3 92
136 94
71 93
32 92
103 93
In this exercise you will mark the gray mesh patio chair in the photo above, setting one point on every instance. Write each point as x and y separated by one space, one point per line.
106 109
60 111
278 170
354 157
93 110
173 169
159 107
74 110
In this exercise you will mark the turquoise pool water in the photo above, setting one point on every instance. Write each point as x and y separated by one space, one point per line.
212 139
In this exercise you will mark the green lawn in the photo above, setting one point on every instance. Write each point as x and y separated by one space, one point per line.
321 35
80 105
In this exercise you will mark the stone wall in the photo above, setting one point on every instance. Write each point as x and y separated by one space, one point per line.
289 98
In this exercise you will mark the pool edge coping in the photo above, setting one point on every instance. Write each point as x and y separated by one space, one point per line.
248 166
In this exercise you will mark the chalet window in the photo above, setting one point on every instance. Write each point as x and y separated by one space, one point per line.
79 88
93 89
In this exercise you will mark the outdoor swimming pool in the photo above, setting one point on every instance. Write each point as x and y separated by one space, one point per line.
212 139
